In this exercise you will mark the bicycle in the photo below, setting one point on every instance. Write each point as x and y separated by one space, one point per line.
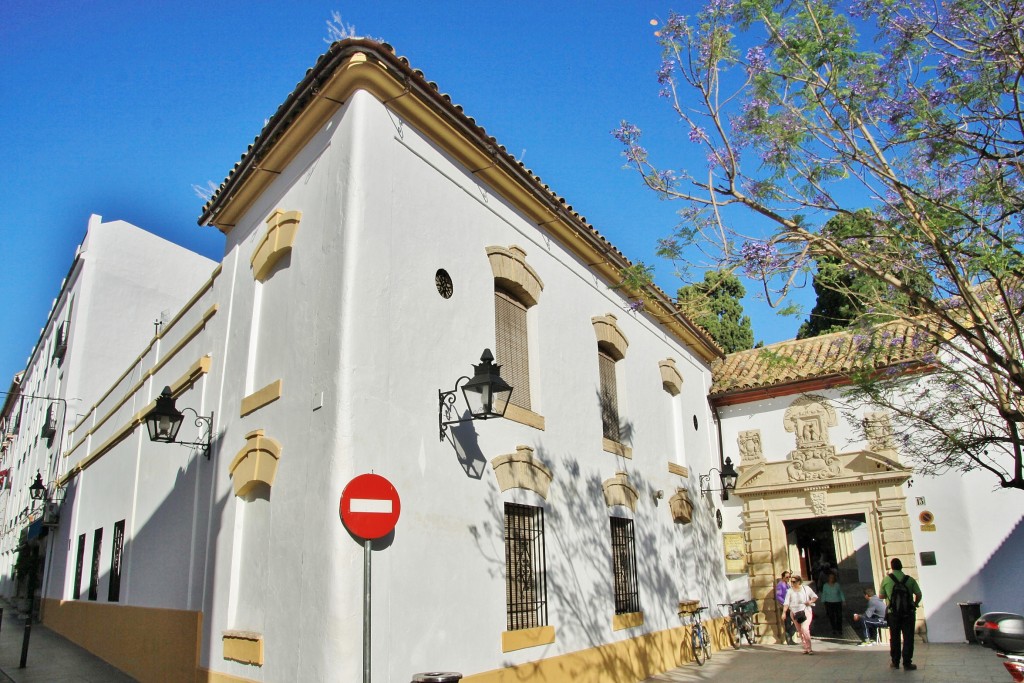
740 624
700 639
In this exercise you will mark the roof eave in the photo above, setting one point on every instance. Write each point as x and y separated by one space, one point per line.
341 71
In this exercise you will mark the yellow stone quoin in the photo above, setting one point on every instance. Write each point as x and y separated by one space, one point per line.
243 646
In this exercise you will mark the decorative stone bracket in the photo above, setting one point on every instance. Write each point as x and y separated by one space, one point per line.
618 491
277 241
256 463
681 507
522 470
671 380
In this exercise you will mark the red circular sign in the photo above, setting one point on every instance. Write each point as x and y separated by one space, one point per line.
370 506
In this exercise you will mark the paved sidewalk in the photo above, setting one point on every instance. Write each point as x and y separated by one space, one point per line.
51 658
842 662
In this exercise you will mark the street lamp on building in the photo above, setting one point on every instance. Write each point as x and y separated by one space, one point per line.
727 476
486 393
38 489
164 421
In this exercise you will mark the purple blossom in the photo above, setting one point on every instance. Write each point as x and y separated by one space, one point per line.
667 178
698 135
627 133
760 258
635 306
665 71
757 60
720 7
675 27
721 158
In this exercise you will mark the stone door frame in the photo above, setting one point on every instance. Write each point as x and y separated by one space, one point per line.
879 497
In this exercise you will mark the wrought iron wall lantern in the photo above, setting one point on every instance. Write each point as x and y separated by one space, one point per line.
727 476
486 394
38 489
51 500
164 421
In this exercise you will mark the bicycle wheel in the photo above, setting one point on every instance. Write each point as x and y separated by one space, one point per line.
706 637
750 632
732 633
696 645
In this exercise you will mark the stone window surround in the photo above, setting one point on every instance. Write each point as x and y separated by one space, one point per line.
522 470
514 275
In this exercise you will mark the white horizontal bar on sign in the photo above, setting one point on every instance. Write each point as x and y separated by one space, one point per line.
369 505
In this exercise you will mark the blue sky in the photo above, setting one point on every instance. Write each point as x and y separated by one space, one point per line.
118 108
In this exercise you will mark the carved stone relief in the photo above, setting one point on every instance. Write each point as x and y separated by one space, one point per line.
811 464
878 429
809 418
819 503
750 448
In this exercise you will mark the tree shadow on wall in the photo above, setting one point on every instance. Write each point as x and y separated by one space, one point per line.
579 575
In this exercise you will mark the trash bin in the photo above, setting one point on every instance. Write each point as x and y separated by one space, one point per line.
971 612
437 677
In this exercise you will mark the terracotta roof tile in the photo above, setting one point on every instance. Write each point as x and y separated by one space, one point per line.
305 91
829 355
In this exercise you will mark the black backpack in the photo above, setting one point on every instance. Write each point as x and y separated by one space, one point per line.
901 603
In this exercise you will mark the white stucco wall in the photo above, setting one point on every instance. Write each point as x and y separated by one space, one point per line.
353 315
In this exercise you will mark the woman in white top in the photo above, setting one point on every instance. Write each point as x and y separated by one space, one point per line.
799 600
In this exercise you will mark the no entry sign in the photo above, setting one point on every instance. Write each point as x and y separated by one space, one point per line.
370 506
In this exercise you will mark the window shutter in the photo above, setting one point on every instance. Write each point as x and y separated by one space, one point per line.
609 397
512 349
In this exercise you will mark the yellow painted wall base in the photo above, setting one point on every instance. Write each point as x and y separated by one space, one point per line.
207 676
626 661
146 643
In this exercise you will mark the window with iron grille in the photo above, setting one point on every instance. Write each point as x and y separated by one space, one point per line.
114 591
627 595
76 591
609 396
511 346
525 570
94 577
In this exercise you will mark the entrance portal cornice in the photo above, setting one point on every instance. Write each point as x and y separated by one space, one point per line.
857 469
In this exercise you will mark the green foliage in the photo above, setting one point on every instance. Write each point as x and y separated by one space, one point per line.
847 297
714 304
794 117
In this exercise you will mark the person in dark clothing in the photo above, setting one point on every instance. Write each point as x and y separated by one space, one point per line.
901 621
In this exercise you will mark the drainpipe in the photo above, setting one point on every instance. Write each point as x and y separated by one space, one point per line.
718 428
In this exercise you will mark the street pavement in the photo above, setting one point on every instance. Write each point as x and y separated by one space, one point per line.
51 658
838 661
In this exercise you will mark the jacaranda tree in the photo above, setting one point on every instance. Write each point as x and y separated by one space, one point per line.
796 112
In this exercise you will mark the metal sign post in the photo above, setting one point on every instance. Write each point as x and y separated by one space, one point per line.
366 610
370 507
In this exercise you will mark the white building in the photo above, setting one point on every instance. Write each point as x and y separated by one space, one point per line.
377 242
121 280
810 484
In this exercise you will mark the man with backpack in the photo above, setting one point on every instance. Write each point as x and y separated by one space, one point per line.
903 594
